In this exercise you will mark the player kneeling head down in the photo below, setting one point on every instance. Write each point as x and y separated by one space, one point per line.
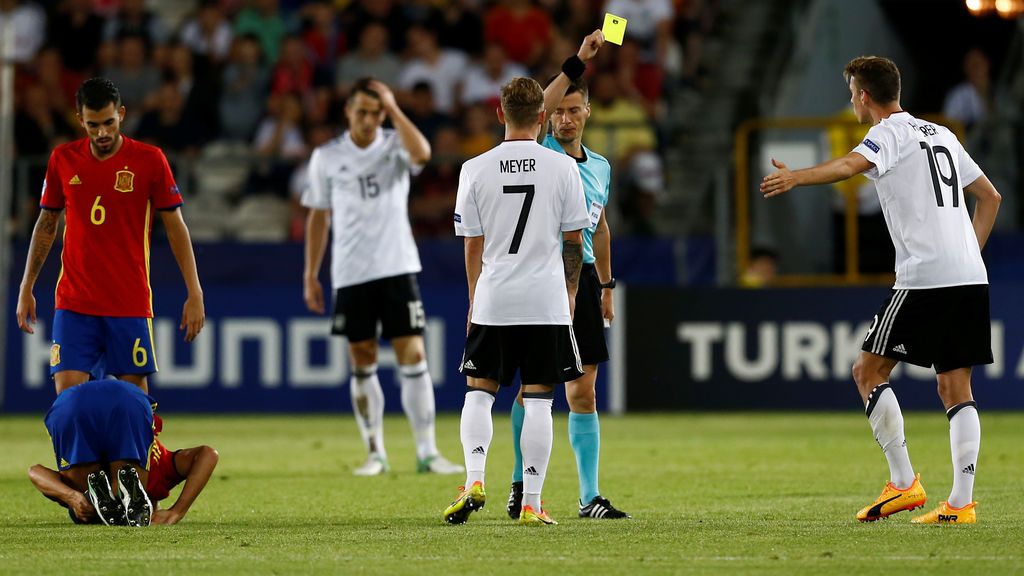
102 431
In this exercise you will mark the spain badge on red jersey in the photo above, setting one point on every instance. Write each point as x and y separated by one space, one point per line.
125 181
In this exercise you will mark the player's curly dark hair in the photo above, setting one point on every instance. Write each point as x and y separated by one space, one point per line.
875 75
96 94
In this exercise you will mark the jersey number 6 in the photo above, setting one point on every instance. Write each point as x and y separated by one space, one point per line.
524 214
98 214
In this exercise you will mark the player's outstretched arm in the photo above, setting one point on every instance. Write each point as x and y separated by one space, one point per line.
474 265
38 249
572 260
197 465
986 209
193 314
316 245
51 485
784 179
555 91
412 139
602 241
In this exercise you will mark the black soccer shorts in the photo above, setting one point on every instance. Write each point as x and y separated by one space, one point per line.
947 328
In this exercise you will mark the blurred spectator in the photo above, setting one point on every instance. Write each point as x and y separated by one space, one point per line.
169 126
442 69
650 25
133 18
279 145
638 80
60 83
482 83
316 135
617 125
293 72
322 35
208 33
29 25
198 87
479 132
462 28
134 78
762 268
370 59
360 13
694 22
422 12
422 112
38 128
243 89
642 186
79 31
263 19
522 29
577 18
432 201
970 101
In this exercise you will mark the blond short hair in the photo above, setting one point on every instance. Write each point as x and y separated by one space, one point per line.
522 99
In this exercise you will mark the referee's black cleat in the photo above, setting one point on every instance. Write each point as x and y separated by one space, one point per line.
515 500
601 508
108 508
138 508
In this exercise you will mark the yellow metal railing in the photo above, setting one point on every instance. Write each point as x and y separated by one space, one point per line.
854 132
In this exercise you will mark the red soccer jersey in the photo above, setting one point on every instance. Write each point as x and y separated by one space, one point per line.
110 207
163 475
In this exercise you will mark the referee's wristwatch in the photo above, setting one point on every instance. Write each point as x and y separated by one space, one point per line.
610 285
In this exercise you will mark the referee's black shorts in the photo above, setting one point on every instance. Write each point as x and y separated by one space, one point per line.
588 322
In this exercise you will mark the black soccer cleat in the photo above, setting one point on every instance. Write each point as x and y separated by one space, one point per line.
601 508
138 508
108 508
515 500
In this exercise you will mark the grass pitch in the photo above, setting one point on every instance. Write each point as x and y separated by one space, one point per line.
710 493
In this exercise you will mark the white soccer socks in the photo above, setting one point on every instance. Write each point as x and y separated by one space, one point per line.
476 430
536 442
964 442
883 412
418 403
368 406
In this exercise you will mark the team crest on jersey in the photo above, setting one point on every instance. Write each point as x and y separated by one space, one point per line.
125 181
54 354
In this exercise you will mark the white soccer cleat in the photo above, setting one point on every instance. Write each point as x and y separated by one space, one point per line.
438 464
375 465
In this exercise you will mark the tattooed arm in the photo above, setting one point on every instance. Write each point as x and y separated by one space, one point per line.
42 240
572 259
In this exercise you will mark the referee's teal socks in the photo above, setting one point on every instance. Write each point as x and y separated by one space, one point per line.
585 437
518 414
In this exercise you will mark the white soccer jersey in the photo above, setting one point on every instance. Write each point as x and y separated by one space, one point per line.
920 170
520 196
367 192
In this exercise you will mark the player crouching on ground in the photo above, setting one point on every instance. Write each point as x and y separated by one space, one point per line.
81 484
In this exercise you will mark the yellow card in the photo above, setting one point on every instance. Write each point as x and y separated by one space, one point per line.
614 28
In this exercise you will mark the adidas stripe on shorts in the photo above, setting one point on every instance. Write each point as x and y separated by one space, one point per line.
947 328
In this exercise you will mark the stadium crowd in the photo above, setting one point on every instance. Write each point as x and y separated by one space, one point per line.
265 80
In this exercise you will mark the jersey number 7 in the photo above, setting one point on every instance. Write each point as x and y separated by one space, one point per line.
524 214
